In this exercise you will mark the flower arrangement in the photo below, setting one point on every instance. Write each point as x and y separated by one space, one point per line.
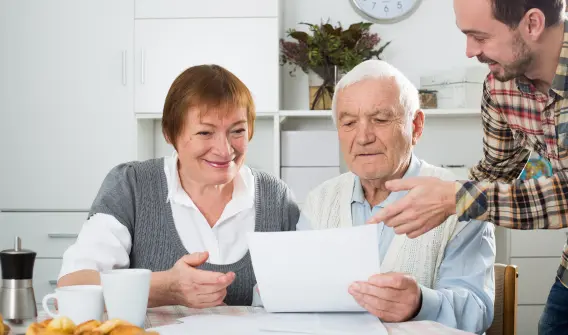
329 51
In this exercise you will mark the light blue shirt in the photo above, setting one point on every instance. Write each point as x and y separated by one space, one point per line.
463 295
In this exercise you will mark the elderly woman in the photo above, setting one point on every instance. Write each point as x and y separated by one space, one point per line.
186 217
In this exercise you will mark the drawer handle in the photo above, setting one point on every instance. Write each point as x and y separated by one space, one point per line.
53 282
62 235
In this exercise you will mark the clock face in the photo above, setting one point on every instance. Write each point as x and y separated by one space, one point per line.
385 11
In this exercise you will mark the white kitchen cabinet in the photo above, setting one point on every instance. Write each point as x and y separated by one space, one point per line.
527 319
152 9
66 100
48 234
45 275
537 254
302 180
309 148
248 47
538 243
536 276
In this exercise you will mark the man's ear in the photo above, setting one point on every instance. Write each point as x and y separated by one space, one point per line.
417 126
533 24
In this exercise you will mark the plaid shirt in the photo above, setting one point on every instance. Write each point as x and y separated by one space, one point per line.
518 119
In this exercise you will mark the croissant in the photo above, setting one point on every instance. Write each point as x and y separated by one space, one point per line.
87 327
4 328
64 326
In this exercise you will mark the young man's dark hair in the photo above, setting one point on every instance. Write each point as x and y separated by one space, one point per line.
510 12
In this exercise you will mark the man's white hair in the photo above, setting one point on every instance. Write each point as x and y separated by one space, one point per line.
378 69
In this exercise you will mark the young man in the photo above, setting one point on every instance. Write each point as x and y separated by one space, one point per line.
524 109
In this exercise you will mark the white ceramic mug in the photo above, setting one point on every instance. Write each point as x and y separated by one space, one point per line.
79 303
126 294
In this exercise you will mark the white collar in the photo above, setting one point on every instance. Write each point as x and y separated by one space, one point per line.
243 191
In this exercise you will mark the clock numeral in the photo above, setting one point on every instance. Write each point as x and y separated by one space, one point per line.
399 5
374 4
386 9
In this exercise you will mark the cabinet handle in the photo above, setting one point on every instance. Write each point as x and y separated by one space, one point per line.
142 66
53 282
62 235
124 67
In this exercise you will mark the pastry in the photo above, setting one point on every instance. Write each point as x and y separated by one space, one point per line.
45 322
109 326
64 326
127 330
86 327
4 328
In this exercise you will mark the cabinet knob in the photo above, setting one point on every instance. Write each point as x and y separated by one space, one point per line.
53 282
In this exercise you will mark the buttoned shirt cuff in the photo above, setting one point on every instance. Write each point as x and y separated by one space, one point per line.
471 200
431 302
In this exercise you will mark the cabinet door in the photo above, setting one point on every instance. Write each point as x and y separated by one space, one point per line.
248 47
152 9
66 99
527 319
48 234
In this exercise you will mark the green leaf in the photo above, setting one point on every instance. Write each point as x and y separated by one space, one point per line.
300 36
328 28
355 27
366 25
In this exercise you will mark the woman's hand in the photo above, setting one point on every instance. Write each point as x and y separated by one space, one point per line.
196 288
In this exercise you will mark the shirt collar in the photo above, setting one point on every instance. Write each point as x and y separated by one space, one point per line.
412 171
560 81
243 191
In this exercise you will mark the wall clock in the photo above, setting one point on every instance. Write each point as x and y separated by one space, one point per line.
385 11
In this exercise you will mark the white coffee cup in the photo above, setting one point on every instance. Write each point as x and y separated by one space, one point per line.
79 303
126 294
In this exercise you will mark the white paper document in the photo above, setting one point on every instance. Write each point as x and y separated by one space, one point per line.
311 271
278 324
321 323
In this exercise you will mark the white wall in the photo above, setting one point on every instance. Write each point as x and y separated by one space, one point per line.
426 42
416 47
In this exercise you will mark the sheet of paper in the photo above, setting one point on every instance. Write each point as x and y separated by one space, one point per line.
310 271
351 323
210 324
277 323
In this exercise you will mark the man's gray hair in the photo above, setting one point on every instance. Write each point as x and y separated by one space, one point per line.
377 69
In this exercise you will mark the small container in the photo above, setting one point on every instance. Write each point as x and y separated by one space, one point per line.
17 298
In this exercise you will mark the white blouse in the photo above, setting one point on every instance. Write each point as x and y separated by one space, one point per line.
104 243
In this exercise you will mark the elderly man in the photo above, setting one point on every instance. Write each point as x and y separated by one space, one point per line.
445 275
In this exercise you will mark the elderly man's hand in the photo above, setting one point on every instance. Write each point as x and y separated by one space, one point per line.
392 297
428 203
198 288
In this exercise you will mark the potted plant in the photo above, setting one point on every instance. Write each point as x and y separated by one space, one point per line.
329 51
